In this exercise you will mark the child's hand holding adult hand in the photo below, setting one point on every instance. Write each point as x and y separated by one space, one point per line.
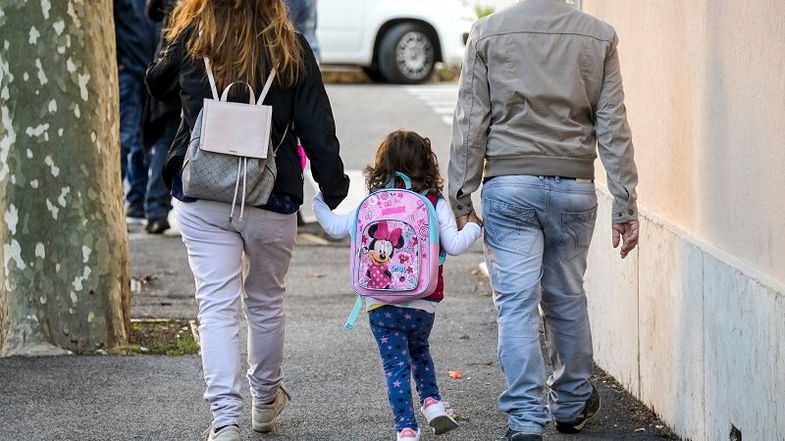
461 221
476 219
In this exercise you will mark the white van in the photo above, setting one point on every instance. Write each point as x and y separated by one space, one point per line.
398 41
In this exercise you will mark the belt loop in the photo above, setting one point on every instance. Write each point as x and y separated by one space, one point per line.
557 179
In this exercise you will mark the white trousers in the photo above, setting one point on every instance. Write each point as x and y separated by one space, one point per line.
239 263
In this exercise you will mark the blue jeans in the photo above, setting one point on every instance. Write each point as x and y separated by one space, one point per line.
402 335
158 201
538 231
302 13
132 158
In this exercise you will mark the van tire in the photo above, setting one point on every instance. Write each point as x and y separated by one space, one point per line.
407 53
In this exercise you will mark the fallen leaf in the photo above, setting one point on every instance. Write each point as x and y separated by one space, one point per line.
456 375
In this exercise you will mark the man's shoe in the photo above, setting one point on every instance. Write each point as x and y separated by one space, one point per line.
263 416
157 226
228 433
438 416
590 410
134 215
512 435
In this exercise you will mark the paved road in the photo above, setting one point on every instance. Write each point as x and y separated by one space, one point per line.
334 375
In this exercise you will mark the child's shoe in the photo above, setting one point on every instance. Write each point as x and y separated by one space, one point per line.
409 435
437 416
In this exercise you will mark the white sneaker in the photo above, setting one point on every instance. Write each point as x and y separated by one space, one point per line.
263 416
228 433
438 416
409 435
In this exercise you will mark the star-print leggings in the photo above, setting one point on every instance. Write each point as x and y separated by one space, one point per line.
402 335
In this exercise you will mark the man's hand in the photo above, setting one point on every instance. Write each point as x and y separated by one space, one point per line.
628 233
461 221
474 218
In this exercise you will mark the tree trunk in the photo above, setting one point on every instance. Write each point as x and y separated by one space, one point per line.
63 241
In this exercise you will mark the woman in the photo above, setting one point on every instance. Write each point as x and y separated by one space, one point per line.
248 257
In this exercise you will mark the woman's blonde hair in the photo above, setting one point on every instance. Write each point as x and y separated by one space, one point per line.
244 39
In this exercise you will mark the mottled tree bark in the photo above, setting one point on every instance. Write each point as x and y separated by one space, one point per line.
63 241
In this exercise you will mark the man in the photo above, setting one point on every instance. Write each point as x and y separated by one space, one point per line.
135 37
540 88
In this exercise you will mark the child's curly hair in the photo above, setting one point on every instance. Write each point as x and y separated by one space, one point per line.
409 153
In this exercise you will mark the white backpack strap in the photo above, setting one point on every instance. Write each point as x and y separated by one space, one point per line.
266 89
210 77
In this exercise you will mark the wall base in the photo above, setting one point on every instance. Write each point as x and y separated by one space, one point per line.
691 333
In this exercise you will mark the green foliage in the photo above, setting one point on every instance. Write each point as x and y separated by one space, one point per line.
483 11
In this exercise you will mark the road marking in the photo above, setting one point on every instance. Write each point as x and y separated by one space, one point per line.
441 98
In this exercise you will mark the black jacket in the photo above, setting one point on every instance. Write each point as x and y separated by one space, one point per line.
135 35
158 10
305 106
159 114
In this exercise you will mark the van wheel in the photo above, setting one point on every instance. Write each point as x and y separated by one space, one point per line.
407 54
373 74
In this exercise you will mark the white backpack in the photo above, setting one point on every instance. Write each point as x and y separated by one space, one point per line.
230 142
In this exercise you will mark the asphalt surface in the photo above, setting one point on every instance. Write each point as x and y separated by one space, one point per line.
334 375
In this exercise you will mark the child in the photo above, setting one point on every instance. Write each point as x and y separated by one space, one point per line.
405 349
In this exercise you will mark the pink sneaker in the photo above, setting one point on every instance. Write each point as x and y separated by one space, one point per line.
409 435
437 413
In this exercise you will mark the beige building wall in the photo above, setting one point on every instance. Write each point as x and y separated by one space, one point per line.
693 323
705 84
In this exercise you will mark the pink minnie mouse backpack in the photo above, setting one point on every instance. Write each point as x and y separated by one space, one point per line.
395 253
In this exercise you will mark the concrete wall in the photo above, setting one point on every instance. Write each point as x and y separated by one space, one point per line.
694 322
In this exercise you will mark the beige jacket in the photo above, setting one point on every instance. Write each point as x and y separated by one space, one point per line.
540 88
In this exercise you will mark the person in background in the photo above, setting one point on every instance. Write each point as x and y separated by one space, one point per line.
135 37
160 123
302 13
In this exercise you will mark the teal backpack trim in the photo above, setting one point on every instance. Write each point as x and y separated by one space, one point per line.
358 306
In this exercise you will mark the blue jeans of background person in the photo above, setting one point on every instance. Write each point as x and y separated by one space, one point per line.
402 335
132 155
537 236
158 201
302 13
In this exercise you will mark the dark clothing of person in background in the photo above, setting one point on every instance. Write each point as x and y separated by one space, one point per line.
159 127
302 13
136 39
135 36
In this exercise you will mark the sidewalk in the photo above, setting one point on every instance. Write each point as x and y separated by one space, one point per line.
334 375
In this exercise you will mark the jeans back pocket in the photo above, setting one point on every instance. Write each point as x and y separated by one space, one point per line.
503 220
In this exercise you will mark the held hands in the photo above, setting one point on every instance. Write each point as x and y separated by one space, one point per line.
461 221
626 233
